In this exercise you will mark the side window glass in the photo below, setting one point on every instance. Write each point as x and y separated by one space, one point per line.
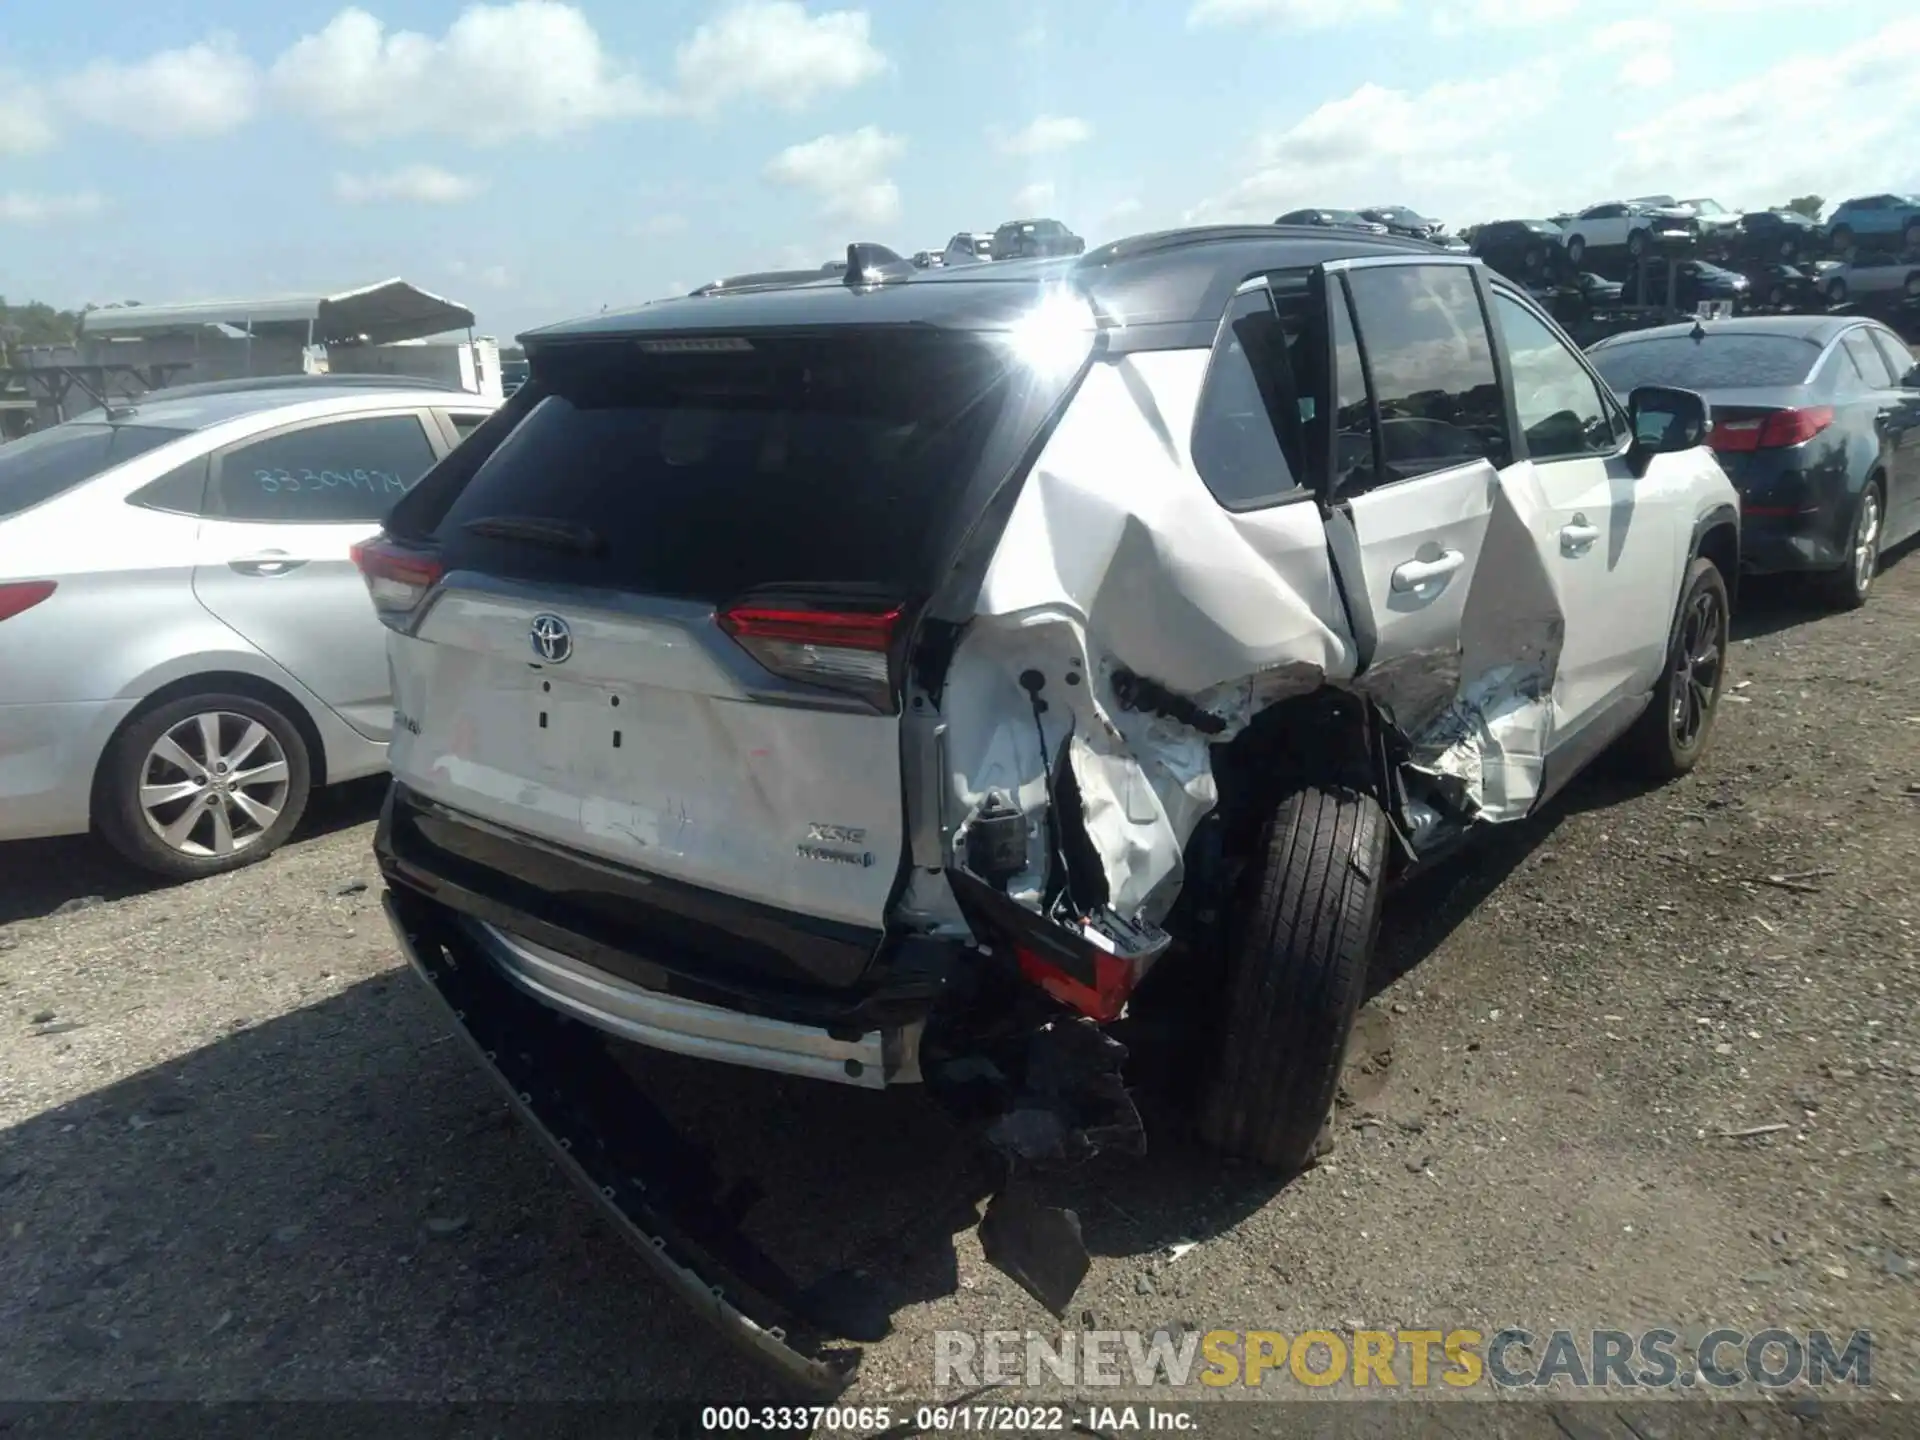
465 424
1841 370
1899 358
1431 364
1561 410
333 473
1353 455
1237 429
1873 367
182 490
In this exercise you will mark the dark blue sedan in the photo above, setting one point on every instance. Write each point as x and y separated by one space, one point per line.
1816 420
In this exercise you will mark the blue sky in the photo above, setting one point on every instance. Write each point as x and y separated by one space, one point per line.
537 159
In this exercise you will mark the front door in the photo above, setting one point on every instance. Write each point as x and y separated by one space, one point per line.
273 556
1606 537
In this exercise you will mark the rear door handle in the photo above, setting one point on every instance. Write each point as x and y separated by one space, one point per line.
267 562
1415 573
1579 534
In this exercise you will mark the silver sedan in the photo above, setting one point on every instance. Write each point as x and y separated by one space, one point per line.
186 648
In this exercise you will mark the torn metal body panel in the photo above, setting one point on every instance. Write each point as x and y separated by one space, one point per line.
1115 581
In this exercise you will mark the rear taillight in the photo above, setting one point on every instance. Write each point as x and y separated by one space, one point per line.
1793 427
19 595
1773 431
846 650
398 579
1101 995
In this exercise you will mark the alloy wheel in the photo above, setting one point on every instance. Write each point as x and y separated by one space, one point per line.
214 784
1696 669
1866 541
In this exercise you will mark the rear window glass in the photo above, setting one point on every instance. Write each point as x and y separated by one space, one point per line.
47 463
803 462
1714 362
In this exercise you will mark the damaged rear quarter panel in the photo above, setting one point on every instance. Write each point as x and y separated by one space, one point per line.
1117 558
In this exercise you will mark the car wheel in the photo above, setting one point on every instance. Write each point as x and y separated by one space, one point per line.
1913 286
1296 974
1672 733
1636 243
202 784
1836 291
1777 297
1788 249
1576 248
1846 588
1912 237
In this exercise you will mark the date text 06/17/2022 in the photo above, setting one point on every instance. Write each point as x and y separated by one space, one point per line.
963 1419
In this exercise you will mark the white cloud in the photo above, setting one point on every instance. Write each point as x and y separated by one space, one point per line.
203 89
23 208
1836 124
847 172
1646 49
1441 147
1290 14
529 67
419 184
655 227
1046 134
1477 15
1034 199
774 50
25 123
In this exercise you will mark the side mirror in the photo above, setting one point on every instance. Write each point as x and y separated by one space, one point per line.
1665 421
1911 380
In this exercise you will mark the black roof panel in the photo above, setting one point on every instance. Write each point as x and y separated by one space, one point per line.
1169 277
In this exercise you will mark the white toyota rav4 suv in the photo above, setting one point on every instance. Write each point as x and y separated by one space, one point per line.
921 675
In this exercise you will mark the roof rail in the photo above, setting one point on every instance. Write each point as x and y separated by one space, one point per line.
1160 241
251 383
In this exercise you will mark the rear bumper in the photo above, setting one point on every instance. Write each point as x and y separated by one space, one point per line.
1775 545
687 1027
658 1189
598 944
1796 509
48 755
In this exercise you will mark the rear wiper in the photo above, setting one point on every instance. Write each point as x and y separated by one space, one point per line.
538 530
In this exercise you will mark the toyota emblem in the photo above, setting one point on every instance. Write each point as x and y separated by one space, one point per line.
552 639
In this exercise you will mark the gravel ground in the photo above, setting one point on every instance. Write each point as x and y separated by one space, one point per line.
243 1158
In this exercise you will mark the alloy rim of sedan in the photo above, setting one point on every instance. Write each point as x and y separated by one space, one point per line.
1866 540
1696 669
214 784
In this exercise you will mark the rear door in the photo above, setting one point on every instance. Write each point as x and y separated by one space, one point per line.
272 561
1458 626
668 631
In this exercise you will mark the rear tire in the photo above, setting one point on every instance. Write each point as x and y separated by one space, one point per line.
234 790
1674 730
1848 587
1296 974
1576 248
